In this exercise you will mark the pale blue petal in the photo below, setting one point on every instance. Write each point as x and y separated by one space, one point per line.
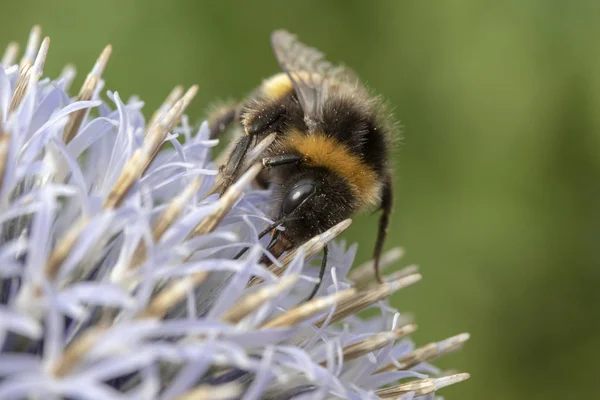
89 134
5 95
15 322
18 363
100 294
24 386
236 285
38 140
50 103
262 377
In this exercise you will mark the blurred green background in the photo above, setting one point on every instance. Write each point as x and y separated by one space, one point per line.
498 189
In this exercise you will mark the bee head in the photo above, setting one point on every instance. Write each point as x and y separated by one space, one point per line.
296 195
312 201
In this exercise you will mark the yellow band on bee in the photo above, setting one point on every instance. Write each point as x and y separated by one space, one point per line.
277 86
322 150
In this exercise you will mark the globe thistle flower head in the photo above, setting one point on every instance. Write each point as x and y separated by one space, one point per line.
118 277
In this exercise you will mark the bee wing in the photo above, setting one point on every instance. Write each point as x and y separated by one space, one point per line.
310 73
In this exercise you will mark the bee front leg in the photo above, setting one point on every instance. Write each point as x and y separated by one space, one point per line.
230 170
256 123
283 159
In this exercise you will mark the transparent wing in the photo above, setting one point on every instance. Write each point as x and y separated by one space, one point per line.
310 73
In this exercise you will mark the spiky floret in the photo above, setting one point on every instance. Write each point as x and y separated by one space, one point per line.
116 277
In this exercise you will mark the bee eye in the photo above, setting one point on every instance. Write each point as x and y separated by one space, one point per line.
296 196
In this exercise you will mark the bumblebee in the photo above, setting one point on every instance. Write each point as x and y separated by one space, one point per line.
331 156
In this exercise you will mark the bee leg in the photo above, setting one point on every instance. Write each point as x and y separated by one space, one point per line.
221 119
231 169
387 200
262 180
253 129
283 159
321 274
268 229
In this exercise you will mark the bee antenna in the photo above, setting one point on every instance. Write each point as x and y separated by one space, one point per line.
265 259
273 241
261 235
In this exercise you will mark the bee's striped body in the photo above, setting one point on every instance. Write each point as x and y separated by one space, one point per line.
331 155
